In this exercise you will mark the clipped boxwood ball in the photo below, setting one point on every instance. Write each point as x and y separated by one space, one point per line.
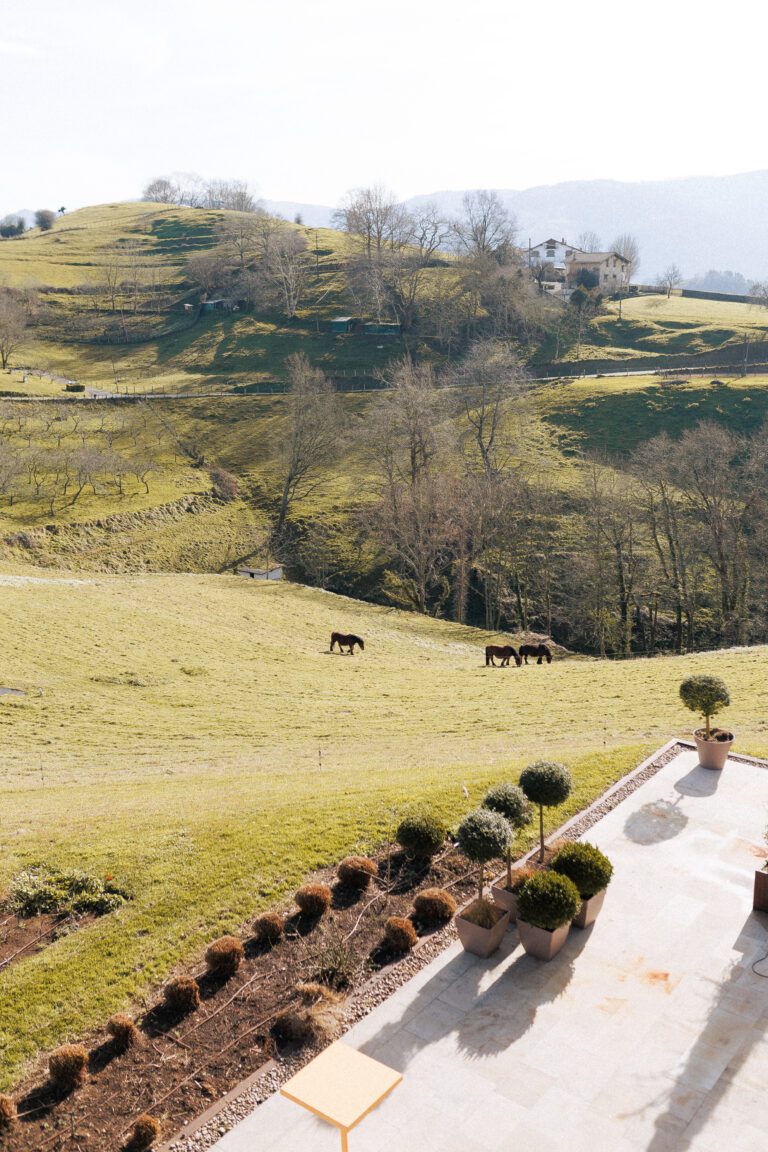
704 694
548 900
510 802
586 865
547 783
483 835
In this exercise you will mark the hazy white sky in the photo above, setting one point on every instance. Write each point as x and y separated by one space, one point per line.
307 98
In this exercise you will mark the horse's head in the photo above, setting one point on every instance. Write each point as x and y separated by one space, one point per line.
547 654
362 645
517 656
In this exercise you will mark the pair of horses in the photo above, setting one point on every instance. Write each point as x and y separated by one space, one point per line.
347 640
505 652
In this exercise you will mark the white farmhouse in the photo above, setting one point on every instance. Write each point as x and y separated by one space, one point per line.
554 252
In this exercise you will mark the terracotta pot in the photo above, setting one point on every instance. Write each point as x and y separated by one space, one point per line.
712 753
505 899
587 913
540 942
481 941
760 899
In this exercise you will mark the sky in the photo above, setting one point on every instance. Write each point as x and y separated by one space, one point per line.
309 98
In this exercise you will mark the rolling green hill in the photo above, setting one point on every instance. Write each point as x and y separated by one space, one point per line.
69 268
193 737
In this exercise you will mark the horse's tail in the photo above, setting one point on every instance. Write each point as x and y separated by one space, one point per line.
488 656
334 636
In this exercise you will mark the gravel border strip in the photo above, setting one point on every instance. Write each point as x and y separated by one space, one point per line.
242 1100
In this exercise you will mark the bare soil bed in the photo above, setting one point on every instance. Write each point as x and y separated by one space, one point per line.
181 1064
23 936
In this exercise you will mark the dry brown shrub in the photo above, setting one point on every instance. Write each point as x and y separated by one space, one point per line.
182 994
7 1112
433 907
224 956
311 992
144 1134
314 899
68 1067
123 1031
317 1018
357 872
484 913
268 928
399 934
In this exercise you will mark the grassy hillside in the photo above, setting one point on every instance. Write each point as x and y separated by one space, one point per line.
67 268
193 737
617 414
657 325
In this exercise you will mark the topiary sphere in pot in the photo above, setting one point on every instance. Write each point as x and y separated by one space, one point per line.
483 835
547 784
510 802
705 695
548 901
586 865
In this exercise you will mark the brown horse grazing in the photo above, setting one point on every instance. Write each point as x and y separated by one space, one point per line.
503 652
347 641
539 650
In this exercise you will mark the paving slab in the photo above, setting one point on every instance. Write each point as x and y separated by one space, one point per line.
647 1033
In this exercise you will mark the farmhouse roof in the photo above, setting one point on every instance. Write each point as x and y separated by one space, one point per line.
595 257
552 243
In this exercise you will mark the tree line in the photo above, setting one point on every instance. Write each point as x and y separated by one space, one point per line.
469 512
446 279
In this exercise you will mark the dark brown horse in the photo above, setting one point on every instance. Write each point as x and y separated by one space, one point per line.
347 641
539 650
503 652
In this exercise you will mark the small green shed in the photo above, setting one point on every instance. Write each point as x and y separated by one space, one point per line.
381 328
342 323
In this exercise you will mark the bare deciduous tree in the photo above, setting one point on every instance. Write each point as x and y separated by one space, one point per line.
13 325
374 216
626 245
670 278
588 241
487 227
313 427
45 219
491 381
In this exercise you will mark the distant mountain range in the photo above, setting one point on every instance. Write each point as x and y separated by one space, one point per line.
698 223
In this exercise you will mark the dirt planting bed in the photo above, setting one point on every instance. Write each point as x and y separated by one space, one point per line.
183 1062
23 936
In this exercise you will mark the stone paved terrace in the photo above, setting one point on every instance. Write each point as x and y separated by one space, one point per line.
647 1032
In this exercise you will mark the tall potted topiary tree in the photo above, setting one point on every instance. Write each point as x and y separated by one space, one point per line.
548 903
510 802
547 784
483 836
707 695
590 871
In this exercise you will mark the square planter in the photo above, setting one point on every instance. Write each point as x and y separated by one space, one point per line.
506 900
481 941
587 913
760 899
541 943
